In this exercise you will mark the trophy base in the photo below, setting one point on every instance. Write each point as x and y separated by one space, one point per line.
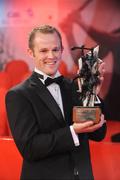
82 114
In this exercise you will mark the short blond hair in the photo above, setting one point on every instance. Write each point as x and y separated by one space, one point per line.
45 29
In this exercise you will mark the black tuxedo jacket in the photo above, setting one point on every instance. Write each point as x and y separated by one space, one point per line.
42 134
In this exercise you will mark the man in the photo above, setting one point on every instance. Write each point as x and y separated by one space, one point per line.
40 117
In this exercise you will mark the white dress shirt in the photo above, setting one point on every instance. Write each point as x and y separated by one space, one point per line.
54 89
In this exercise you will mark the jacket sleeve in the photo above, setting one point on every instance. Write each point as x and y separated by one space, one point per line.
99 134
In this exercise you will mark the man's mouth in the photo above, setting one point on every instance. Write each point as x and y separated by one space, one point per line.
51 63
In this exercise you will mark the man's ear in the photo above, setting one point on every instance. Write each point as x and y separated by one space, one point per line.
30 52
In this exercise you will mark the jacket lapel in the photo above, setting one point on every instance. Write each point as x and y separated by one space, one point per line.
67 103
46 97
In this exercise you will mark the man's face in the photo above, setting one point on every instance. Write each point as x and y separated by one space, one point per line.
46 52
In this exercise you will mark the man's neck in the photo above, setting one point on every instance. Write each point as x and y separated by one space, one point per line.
46 75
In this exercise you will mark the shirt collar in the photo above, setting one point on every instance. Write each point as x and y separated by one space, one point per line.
45 75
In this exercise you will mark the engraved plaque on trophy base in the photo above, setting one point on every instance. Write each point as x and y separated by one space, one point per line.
82 114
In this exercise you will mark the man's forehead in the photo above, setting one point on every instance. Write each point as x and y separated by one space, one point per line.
46 39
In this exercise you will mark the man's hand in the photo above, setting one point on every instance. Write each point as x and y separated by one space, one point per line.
102 72
88 126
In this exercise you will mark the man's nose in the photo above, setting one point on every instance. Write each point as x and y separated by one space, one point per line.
50 54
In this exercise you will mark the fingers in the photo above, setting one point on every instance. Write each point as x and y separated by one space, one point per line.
102 68
88 126
96 126
101 77
80 127
102 121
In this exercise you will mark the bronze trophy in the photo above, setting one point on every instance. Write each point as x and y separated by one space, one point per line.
87 81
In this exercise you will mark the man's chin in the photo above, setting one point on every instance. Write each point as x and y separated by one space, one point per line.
51 73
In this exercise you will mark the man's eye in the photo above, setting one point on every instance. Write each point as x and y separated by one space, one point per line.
56 50
44 51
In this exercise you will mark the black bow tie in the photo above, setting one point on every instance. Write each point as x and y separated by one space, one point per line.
49 80
57 80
